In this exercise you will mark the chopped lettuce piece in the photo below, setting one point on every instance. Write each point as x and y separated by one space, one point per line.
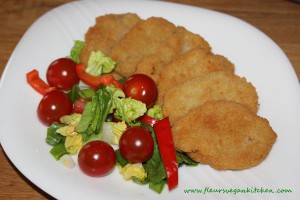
73 143
67 161
133 170
99 64
73 93
76 50
53 138
118 129
70 122
182 158
80 92
112 131
116 94
94 115
129 109
86 118
66 130
107 135
86 93
72 119
158 187
155 112
58 151
120 159
103 100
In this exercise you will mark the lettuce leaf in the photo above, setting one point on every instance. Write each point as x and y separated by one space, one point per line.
129 110
94 115
76 50
99 64
53 138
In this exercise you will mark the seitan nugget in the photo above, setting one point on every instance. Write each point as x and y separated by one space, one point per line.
224 135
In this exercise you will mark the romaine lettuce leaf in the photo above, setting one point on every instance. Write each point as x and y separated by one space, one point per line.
129 110
99 64
94 114
76 50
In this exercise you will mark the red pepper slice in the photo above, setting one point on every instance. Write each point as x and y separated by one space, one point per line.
117 84
37 83
148 120
167 150
95 81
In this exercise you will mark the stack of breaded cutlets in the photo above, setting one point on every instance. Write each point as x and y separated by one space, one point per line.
213 112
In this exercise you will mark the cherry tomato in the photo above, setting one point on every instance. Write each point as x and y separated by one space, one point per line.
61 74
148 120
136 145
79 106
97 158
142 88
53 106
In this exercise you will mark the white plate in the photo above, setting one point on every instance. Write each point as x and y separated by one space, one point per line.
255 55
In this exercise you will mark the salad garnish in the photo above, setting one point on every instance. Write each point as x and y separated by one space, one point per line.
120 126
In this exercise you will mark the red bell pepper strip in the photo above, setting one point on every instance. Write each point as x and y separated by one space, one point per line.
95 81
37 83
117 84
148 120
167 150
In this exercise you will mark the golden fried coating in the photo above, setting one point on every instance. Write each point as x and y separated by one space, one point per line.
214 86
194 63
180 42
107 30
225 135
187 40
139 46
146 38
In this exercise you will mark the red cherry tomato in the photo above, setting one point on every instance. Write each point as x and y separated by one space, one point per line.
97 158
142 88
79 106
53 106
136 145
61 74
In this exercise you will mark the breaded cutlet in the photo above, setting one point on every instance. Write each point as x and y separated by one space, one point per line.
180 42
194 63
225 135
145 38
214 86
